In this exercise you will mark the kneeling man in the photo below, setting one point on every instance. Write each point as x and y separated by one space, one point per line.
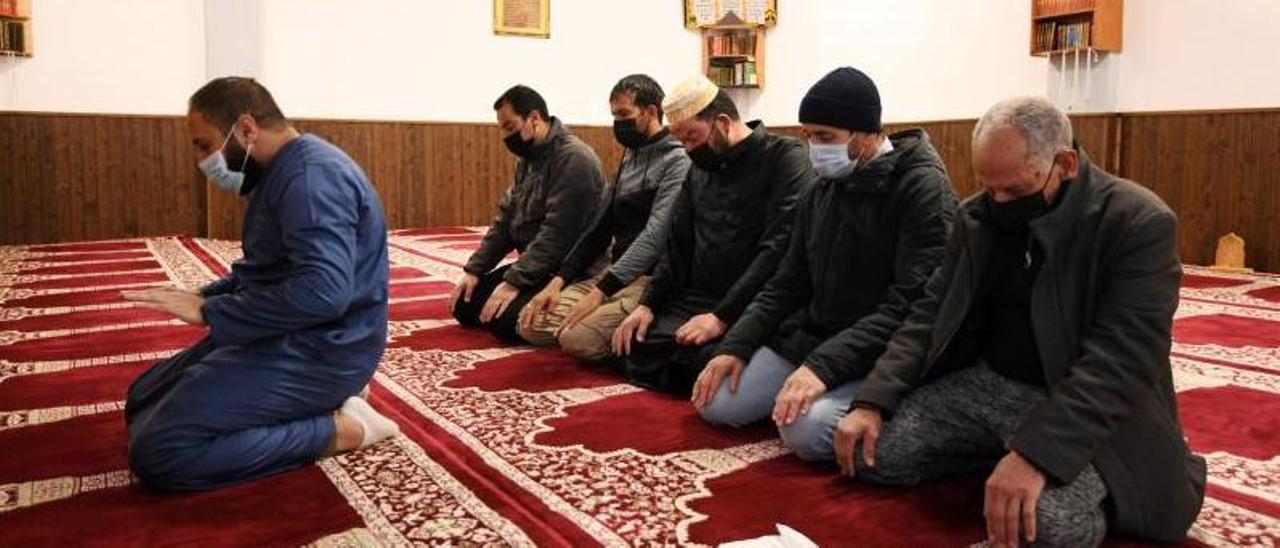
1041 348
295 330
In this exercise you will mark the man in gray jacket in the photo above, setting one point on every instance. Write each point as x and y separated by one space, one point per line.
558 184
634 217
1041 348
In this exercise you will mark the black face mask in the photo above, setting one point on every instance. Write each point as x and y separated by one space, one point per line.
628 133
235 155
518 145
1017 213
705 157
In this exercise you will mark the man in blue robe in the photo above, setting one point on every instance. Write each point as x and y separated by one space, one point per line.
296 329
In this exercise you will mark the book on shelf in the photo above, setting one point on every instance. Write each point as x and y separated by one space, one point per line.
739 74
13 36
1052 36
719 45
9 8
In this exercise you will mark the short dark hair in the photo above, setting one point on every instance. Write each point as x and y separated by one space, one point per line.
223 100
722 104
644 90
523 100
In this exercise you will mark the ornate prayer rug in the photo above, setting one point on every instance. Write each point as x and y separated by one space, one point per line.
510 445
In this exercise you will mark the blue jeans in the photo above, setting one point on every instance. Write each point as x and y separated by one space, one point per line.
811 436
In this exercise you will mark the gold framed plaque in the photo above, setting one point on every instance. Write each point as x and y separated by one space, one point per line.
531 18
707 13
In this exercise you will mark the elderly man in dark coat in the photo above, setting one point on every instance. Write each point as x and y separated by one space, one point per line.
1041 347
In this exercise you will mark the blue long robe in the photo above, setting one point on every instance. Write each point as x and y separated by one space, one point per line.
298 326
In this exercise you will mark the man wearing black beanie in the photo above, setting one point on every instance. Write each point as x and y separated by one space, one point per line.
864 242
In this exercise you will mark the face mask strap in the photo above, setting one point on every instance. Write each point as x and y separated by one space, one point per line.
247 151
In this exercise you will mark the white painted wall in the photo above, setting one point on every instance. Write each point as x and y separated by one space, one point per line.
439 60
931 59
113 56
1200 54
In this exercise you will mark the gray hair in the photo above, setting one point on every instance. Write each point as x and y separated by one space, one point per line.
1046 129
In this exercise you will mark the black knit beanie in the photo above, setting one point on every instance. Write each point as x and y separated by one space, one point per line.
844 98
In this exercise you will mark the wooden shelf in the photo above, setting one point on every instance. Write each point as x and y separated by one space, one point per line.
734 53
1057 52
1068 13
1071 25
21 16
21 9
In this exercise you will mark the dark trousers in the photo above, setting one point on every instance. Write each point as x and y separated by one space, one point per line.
210 417
959 425
659 363
504 326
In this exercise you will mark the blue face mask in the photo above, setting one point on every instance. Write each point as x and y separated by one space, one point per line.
216 169
831 160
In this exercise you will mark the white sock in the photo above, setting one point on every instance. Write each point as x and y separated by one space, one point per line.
376 427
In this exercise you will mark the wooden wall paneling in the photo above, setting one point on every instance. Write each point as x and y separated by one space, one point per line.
1095 133
26 166
1219 171
77 177
66 177
427 174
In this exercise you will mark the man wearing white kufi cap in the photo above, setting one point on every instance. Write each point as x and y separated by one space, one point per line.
730 227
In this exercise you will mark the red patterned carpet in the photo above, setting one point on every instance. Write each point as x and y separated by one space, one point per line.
513 445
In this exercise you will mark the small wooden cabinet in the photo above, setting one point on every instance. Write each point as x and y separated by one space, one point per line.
15 28
733 55
1059 26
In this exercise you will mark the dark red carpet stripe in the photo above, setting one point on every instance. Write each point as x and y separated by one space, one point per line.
95 268
204 256
291 509
95 281
86 257
419 289
89 246
74 298
433 309
85 319
432 230
79 386
103 343
78 446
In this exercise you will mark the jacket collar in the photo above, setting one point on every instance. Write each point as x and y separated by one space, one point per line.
555 134
752 142
872 178
1063 218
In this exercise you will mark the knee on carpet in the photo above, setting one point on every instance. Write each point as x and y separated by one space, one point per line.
809 437
464 315
584 343
164 463
895 465
727 410
1056 526
532 335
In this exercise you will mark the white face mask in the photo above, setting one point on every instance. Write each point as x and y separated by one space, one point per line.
831 160
216 169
